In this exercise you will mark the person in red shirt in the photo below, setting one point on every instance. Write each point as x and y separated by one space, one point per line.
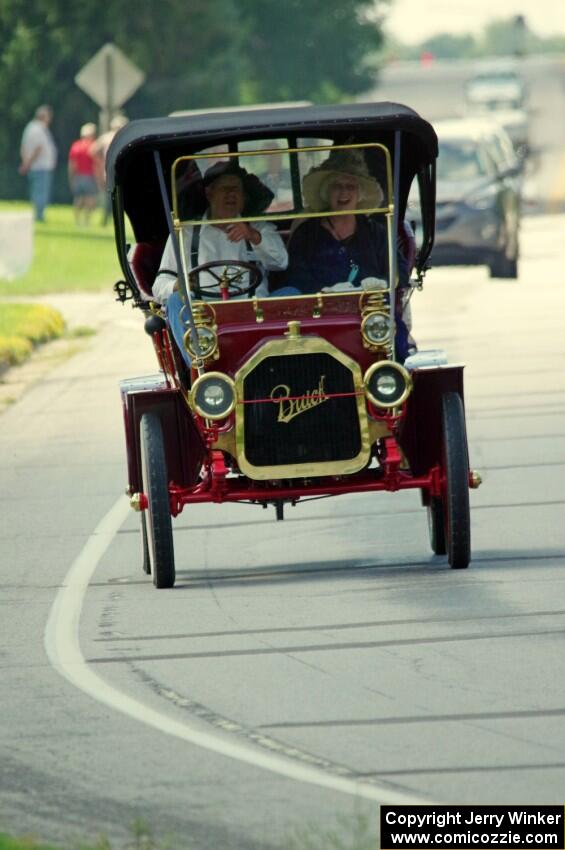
82 174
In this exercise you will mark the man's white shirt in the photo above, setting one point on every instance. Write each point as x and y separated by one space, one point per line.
37 135
214 244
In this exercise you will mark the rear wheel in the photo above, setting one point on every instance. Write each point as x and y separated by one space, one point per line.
436 526
505 263
504 267
455 495
158 525
145 555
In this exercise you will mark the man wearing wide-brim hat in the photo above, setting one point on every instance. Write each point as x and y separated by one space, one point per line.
230 192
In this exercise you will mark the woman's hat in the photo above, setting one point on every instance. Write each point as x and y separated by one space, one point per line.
315 186
257 195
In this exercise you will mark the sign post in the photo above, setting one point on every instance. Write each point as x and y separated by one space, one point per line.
109 78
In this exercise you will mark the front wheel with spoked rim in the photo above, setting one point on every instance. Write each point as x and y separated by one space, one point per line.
158 525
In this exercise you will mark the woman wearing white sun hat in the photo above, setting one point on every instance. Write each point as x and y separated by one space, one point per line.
345 249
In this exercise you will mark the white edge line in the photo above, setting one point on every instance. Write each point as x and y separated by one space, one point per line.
62 645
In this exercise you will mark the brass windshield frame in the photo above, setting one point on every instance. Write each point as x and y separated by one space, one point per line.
388 209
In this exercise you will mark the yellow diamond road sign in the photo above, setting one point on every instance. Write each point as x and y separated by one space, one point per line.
109 78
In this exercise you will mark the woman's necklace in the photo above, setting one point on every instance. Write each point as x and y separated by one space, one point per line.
348 227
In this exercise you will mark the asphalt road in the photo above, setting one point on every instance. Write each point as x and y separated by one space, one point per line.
302 671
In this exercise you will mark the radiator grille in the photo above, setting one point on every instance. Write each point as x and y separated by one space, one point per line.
284 433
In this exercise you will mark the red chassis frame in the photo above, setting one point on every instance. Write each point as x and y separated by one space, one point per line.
411 458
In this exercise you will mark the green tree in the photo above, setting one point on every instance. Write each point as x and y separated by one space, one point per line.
313 50
506 37
190 50
195 54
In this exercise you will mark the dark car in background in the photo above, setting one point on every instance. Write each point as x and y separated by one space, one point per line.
478 197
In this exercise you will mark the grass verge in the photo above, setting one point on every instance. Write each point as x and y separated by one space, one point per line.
356 832
7 843
141 839
23 326
353 832
67 258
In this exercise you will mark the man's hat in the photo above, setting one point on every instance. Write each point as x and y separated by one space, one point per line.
257 195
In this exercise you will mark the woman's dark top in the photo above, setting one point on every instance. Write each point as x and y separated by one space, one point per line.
317 259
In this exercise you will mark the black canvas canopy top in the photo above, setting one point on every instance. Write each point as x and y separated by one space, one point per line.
132 175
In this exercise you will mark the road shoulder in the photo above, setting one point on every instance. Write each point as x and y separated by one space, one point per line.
85 315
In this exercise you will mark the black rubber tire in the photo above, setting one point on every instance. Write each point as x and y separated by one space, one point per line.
436 525
455 497
159 527
504 267
145 555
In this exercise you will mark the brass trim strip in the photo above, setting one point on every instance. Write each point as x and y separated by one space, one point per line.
279 217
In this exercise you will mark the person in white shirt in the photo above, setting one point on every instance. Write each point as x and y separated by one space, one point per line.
38 159
230 192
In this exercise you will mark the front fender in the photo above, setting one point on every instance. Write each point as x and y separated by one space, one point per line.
420 433
184 448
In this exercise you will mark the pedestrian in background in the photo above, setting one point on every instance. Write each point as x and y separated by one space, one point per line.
38 154
100 150
82 174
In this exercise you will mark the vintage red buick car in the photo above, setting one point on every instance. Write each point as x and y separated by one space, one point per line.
278 390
